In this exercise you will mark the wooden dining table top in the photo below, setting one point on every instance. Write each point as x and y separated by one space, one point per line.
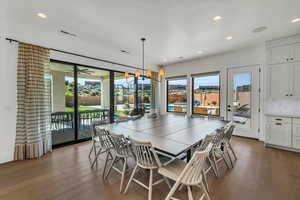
170 134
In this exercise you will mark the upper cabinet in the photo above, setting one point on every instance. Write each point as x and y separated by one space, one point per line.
283 54
296 52
283 70
279 54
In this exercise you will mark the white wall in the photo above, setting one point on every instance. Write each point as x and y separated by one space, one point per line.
242 57
8 63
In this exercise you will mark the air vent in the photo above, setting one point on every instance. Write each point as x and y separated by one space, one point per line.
259 29
68 33
124 51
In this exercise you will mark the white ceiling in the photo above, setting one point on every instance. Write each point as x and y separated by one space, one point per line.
172 28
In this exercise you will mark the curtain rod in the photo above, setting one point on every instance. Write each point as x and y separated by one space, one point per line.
83 56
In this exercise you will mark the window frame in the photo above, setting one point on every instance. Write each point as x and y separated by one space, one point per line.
192 93
167 92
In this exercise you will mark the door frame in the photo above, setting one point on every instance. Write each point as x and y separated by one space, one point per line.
260 86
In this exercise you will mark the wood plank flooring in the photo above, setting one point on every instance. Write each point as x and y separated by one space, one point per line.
260 173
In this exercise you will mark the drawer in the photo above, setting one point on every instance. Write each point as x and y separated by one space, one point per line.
285 120
296 121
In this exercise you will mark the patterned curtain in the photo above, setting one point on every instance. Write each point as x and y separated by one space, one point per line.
33 136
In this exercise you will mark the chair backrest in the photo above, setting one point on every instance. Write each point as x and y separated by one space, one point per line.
102 135
193 171
121 145
146 156
229 131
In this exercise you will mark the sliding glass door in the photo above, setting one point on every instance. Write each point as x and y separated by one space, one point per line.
62 100
145 93
93 98
124 96
177 95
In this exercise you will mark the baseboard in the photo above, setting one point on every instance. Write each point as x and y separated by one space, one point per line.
282 148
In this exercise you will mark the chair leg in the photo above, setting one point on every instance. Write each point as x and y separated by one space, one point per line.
123 174
205 191
111 166
92 148
96 156
190 195
131 177
216 165
150 185
225 160
230 146
213 166
173 190
105 165
168 182
205 180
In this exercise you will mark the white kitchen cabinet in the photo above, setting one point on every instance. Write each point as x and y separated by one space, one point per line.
296 52
296 136
279 54
279 134
279 80
295 77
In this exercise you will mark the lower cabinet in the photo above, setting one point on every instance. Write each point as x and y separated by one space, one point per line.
279 133
283 131
296 136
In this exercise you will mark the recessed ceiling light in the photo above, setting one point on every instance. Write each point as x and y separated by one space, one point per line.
42 15
180 57
199 52
165 60
217 18
295 20
229 38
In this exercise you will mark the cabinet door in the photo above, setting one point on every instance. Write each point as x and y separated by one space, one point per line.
296 136
279 80
279 134
296 79
296 52
279 54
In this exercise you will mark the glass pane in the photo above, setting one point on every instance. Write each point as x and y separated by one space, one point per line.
93 98
207 95
62 103
241 105
145 93
177 99
124 96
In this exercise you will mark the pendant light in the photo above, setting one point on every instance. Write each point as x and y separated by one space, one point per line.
161 72
126 75
137 73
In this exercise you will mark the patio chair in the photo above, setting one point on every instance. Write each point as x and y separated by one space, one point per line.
189 174
102 142
146 158
122 153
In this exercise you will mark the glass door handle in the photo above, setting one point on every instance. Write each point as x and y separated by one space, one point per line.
229 110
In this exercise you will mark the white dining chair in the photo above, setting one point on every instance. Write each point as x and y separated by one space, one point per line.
229 128
123 152
188 174
146 158
101 144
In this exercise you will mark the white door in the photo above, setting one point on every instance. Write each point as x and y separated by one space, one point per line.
243 100
296 52
296 80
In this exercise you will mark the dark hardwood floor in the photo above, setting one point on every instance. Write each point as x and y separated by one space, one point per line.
260 173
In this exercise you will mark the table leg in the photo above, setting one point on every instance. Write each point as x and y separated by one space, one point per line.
188 155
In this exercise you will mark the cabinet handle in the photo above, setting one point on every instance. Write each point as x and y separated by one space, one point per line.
278 119
287 95
287 59
291 95
292 58
279 124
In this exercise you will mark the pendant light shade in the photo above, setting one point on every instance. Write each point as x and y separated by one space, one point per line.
161 72
126 75
148 73
137 73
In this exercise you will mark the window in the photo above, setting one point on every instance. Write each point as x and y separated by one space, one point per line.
145 93
176 95
206 94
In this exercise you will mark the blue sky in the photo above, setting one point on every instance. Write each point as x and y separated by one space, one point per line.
242 79
206 81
